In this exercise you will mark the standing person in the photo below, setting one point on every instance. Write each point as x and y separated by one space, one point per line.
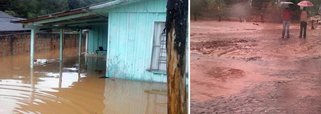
319 10
262 17
286 16
303 23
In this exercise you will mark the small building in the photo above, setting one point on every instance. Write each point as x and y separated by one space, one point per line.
6 26
128 33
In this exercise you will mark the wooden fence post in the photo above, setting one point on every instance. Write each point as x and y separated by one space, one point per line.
176 37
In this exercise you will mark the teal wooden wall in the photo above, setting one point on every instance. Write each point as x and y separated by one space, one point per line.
130 40
97 37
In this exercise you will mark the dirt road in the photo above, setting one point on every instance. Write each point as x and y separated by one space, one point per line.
246 68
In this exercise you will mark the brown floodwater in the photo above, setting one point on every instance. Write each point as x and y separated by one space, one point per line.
63 89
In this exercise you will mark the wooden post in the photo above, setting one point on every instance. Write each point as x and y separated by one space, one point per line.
32 47
33 88
176 78
176 37
79 45
61 45
60 74
79 52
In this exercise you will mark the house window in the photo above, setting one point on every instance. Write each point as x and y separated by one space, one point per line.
159 48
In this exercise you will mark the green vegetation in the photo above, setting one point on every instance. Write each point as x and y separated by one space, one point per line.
33 8
217 9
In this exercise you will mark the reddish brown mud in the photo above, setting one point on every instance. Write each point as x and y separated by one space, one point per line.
246 68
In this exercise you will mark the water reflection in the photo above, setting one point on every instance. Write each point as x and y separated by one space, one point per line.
64 89
127 97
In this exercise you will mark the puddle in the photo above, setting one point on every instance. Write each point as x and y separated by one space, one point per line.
44 91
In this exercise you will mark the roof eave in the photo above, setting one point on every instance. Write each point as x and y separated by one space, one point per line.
107 5
54 15
73 14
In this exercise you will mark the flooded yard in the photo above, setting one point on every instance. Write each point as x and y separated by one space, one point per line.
49 89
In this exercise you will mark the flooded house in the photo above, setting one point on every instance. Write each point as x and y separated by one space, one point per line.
127 34
7 26
121 39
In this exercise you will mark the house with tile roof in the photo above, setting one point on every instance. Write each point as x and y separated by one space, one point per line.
7 25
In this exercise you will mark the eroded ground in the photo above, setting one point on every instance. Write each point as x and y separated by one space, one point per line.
246 68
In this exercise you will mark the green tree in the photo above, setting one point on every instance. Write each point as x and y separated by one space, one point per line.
213 7
34 8
197 6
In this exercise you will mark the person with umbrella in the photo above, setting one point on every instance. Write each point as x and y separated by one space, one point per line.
303 23
286 16
304 17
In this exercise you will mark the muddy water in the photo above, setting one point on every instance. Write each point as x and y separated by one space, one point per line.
46 90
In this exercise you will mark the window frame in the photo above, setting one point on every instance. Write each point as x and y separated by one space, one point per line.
151 69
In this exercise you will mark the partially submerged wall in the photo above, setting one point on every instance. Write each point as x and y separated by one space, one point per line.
18 43
97 38
130 40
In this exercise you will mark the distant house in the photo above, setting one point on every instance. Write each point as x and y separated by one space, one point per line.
7 26
131 32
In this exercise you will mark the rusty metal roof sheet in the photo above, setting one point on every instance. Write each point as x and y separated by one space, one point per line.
55 15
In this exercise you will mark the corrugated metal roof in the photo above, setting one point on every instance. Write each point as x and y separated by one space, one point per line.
55 15
6 25
89 9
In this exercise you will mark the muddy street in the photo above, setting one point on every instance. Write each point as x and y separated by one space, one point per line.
246 68
47 90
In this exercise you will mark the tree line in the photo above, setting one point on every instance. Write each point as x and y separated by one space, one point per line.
34 8
217 9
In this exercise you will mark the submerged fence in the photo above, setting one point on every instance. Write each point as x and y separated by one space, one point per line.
19 43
